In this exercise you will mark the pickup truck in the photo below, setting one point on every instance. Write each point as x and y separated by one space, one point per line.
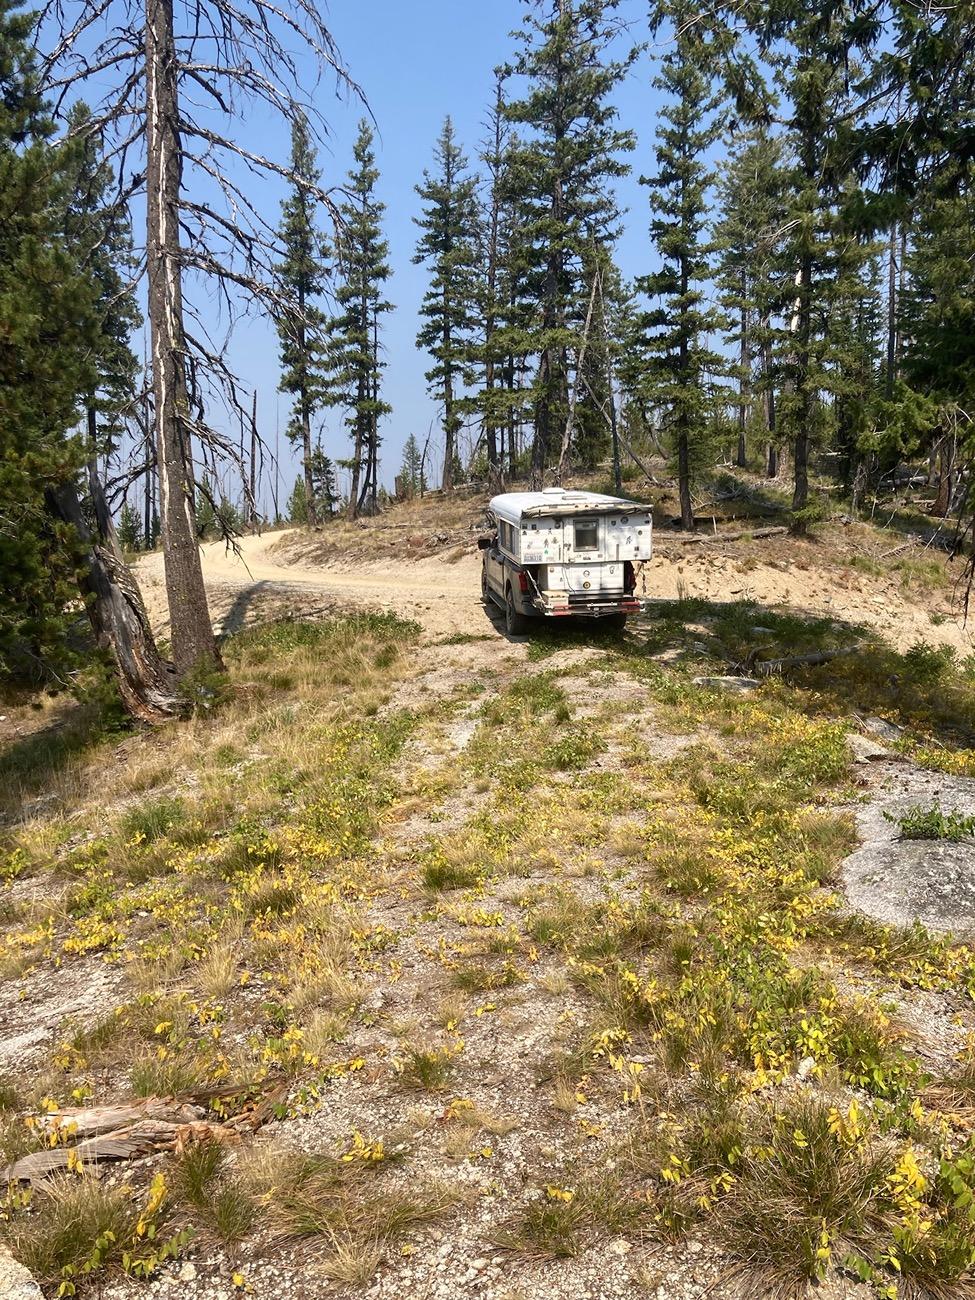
557 553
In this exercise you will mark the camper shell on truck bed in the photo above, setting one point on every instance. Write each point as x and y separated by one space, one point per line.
557 553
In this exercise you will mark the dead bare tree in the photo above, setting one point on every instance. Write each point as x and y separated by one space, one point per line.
169 97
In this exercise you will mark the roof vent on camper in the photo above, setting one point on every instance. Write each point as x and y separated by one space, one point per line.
553 492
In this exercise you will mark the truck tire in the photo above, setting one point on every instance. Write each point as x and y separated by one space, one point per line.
485 588
515 623
615 622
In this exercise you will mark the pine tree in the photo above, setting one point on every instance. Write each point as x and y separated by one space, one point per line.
449 248
561 175
811 51
850 318
303 275
682 364
411 472
354 360
297 509
129 528
46 346
938 322
51 343
491 400
749 270
206 510
323 483
99 234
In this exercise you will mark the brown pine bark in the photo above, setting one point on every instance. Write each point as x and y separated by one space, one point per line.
683 434
305 408
192 633
744 387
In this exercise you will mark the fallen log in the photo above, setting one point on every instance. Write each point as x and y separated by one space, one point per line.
773 667
79 1122
124 1144
710 539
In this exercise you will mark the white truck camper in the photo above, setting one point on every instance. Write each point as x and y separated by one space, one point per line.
557 553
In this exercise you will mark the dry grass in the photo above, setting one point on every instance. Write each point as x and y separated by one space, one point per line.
358 1211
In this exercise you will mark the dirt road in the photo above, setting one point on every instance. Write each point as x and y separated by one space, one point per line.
444 597
443 592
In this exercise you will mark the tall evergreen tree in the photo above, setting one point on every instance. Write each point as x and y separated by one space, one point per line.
354 355
129 528
811 52
411 471
52 341
749 271
850 319
449 247
683 367
303 274
495 293
938 322
323 482
561 172
46 348
99 234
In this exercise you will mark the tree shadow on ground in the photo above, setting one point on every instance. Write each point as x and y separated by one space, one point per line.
927 690
29 764
246 599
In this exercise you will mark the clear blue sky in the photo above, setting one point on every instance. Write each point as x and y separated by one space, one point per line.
416 62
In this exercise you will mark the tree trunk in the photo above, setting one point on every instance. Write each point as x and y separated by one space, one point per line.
192 633
148 687
252 504
946 476
611 389
741 459
304 412
800 468
891 375
772 467
573 396
147 504
683 433
447 478
684 481
374 422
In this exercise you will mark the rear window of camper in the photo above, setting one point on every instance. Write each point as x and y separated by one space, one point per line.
586 535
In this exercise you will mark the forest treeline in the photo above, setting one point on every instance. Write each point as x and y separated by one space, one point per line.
809 287
810 249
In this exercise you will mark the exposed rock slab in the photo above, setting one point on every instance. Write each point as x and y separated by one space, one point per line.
900 881
15 1281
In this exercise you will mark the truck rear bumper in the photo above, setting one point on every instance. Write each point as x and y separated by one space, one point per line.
563 606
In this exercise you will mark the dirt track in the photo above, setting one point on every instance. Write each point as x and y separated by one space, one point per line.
443 592
444 597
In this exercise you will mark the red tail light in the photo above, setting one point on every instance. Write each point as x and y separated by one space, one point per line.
523 582
629 576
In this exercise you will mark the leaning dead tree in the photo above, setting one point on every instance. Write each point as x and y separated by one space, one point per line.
147 686
171 95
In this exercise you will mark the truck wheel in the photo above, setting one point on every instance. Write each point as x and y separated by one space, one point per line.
485 589
515 623
615 622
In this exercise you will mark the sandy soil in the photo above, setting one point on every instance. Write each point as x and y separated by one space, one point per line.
443 591
444 597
